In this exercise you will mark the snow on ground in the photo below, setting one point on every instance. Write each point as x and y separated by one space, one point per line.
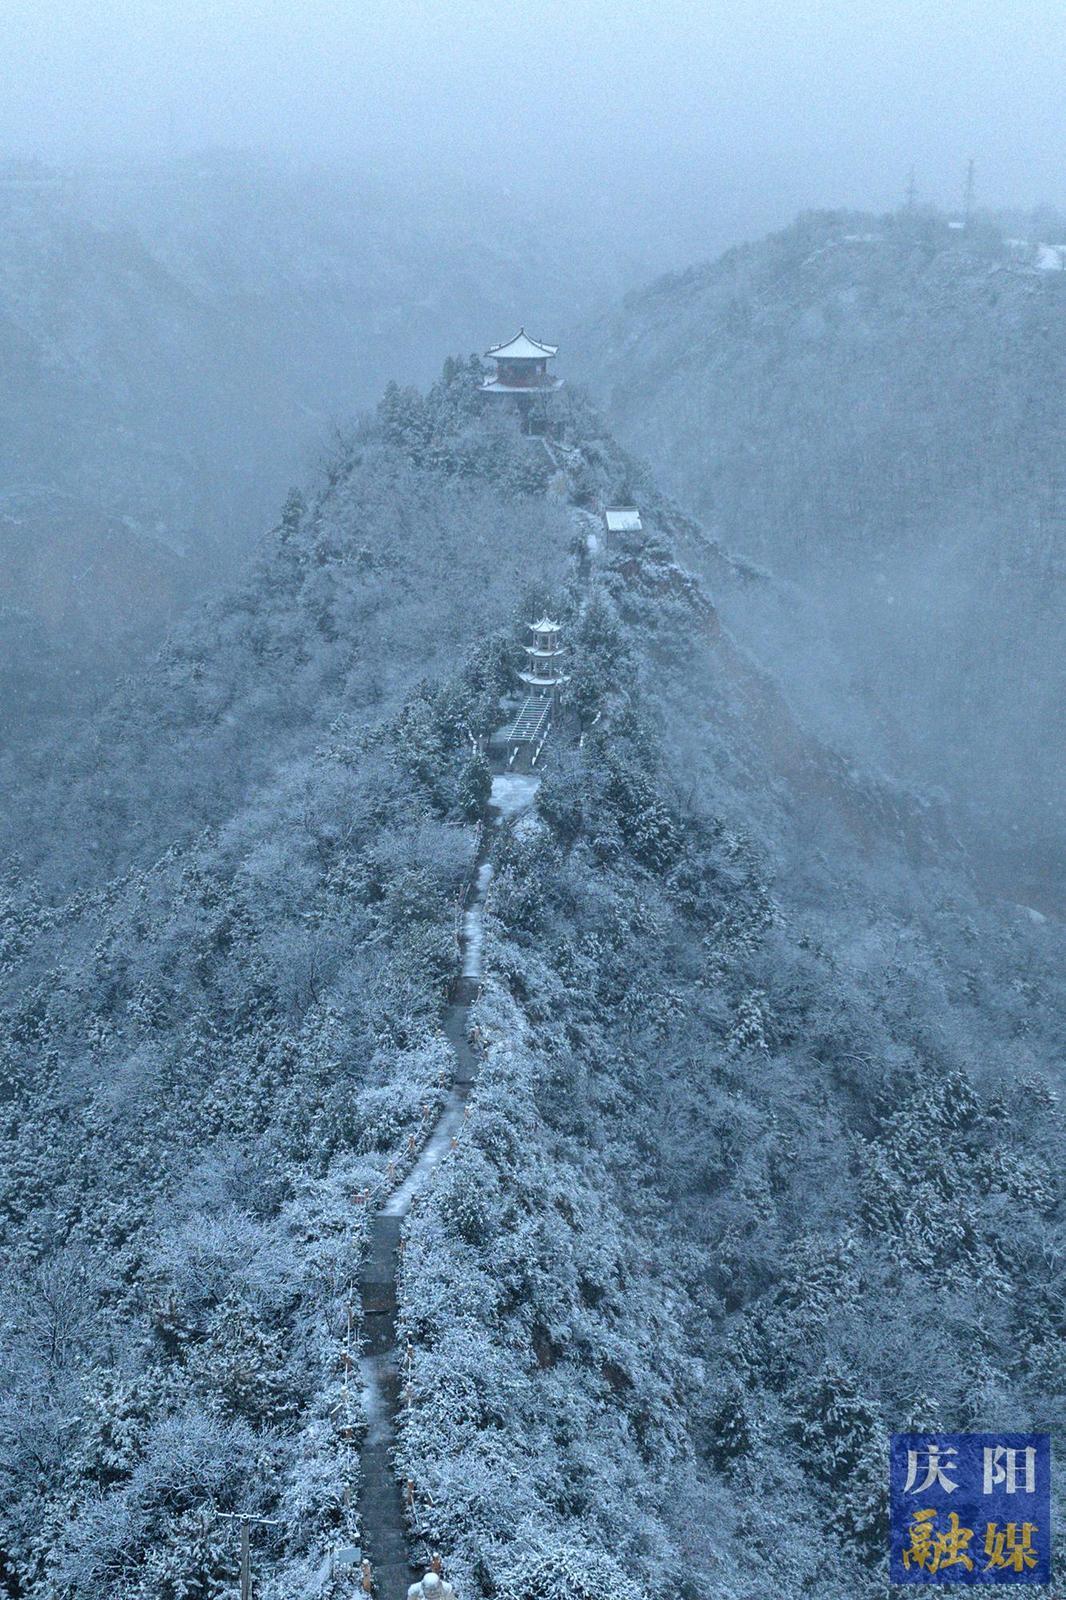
474 924
372 1370
1050 257
513 792
433 1152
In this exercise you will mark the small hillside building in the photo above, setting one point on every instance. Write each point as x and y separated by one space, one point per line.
622 521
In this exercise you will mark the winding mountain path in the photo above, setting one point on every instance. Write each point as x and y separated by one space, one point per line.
383 1522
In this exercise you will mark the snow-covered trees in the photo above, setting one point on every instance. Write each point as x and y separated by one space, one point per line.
228 1033
742 1058
750 1127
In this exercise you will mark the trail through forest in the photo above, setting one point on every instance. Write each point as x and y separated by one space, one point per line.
383 1515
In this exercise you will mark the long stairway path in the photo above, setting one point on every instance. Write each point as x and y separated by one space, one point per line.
383 1524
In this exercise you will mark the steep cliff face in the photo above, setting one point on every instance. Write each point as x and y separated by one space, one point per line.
684 1268
868 406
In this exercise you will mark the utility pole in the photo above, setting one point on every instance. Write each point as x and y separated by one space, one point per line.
246 1519
968 199
912 191
246 1562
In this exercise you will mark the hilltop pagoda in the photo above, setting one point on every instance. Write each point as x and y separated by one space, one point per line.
522 375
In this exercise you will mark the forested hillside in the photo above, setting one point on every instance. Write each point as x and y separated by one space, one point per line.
869 406
762 1159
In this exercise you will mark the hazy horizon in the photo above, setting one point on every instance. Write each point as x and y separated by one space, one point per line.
752 116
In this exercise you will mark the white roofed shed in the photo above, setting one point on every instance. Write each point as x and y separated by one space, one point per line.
622 519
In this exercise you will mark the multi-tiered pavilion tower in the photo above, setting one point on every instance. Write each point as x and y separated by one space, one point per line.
543 677
544 671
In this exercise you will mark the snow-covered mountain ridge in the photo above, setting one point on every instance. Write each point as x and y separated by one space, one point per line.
733 987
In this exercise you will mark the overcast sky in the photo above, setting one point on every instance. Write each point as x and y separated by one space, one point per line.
789 104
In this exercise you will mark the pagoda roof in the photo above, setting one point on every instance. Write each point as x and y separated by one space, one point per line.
537 682
494 386
522 348
545 625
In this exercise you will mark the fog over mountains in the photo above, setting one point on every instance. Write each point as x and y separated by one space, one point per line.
177 343
868 407
865 406
762 1157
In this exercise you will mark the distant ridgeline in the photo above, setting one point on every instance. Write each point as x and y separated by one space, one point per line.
871 406
761 1163
848 383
